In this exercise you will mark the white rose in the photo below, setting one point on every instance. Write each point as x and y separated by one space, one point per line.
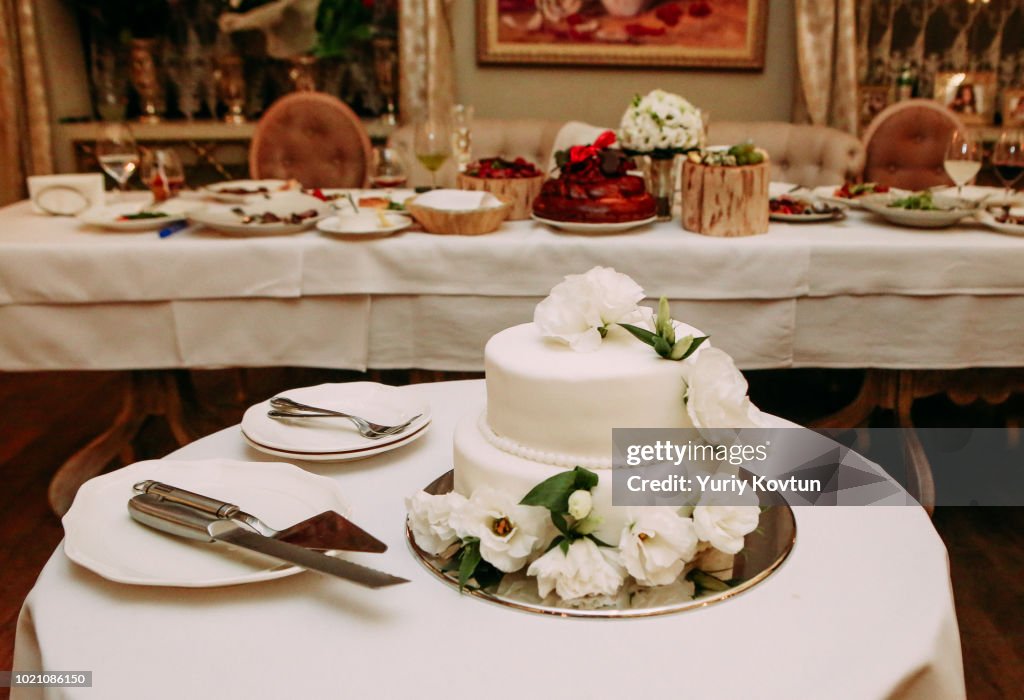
580 504
725 526
656 545
614 294
716 394
509 533
660 120
432 520
582 304
586 570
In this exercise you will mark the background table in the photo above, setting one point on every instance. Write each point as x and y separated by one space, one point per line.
852 294
861 609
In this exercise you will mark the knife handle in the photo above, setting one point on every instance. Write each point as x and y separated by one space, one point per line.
220 509
174 518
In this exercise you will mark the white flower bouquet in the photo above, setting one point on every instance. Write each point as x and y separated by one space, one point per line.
661 125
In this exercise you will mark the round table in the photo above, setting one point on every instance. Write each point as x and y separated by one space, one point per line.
861 609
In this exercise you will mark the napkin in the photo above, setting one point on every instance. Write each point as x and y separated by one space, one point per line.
65 195
458 200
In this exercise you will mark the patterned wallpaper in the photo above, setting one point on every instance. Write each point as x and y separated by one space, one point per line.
940 35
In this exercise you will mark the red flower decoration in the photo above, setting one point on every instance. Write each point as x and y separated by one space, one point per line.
578 154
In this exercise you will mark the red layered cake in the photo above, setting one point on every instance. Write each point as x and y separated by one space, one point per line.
594 187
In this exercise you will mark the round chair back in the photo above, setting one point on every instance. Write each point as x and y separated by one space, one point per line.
906 145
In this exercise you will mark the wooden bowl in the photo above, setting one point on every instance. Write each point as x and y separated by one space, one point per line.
519 192
473 222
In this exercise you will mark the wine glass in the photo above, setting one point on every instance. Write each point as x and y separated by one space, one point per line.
388 168
117 153
1008 159
433 146
963 160
163 173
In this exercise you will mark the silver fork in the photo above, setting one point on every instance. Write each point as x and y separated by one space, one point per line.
287 408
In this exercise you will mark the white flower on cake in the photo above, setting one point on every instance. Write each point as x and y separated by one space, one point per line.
585 570
580 504
656 545
660 121
509 534
716 394
724 525
579 309
433 519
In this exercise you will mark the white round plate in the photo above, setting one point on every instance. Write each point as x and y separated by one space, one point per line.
987 218
108 217
827 193
101 536
917 218
418 430
838 213
577 227
223 219
217 192
331 437
364 224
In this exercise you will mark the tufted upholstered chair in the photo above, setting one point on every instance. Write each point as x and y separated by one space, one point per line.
315 139
529 138
906 145
800 153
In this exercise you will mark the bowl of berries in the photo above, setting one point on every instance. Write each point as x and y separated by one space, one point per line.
515 181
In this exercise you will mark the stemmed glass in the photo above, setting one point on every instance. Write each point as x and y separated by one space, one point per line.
388 169
163 173
433 146
963 160
117 153
1008 159
462 137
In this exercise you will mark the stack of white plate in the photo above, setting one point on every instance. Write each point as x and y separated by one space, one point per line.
336 439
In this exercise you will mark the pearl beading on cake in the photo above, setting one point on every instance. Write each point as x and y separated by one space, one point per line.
555 459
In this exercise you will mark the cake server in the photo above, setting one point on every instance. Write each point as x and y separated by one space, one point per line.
328 530
177 519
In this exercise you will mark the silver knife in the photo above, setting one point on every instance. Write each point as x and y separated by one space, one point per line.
183 521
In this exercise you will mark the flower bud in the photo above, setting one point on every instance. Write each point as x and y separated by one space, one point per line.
680 348
580 504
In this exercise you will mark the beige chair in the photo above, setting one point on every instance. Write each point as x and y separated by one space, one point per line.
906 145
800 153
512 138
313 138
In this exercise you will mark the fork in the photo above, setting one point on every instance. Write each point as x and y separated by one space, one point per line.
287 408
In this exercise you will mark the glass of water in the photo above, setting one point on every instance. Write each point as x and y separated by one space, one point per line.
117 153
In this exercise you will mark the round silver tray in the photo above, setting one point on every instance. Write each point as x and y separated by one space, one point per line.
764 551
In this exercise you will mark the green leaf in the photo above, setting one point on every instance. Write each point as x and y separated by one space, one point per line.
641 334
697 342
585 479
555 543
662 347
559 520
554 493
469 561
487 575
564 546
598 542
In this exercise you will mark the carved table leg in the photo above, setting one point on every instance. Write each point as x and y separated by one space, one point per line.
920 482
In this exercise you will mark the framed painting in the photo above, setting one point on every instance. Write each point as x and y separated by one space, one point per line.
687 33
971 95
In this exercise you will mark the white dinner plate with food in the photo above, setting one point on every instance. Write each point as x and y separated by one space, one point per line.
100 535
919 210
242 191
580 227
336 439
853 195
796 209
285 214
135 217
365 224
1001 220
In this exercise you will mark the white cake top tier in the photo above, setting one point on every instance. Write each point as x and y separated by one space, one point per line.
544 396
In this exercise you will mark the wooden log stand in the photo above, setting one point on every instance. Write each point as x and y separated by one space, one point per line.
519 192
725 201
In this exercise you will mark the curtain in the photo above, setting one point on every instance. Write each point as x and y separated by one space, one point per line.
25 139
826 37
427 68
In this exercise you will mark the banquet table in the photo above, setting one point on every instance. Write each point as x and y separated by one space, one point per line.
856 293
862 608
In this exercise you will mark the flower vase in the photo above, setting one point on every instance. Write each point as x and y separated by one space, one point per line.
661 183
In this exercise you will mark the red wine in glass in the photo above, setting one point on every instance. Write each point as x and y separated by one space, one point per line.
1008 159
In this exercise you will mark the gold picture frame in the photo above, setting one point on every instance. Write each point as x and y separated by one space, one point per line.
972 95
727 34
1013 107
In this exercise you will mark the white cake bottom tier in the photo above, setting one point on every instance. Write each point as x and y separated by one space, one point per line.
478 463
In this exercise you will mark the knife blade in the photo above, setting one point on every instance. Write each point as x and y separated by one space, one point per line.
177 519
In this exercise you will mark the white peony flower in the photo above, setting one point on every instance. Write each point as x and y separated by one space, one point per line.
509 533
725 525
716 394
432 520
662 121
580 504
656 545
581 305
586 570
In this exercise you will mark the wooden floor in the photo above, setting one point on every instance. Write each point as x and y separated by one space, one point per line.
45 417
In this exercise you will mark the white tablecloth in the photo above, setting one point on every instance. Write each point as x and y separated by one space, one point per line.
861 609
852 294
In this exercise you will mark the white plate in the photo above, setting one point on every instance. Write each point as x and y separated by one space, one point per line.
418 430
216 191
808 218
988 219
576 227
826 193
377 403
949 215
223 219
108 217
366 223
101 536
